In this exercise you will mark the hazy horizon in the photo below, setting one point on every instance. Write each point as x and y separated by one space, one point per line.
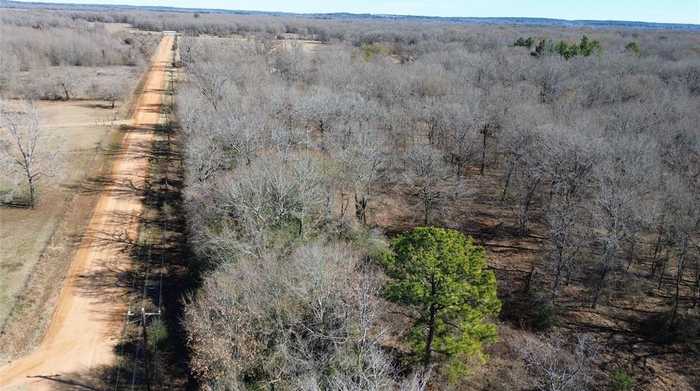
680 12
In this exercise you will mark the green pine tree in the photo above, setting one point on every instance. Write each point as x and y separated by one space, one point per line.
565 50
633 47
442 277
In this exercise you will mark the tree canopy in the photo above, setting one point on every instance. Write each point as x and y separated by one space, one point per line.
441 275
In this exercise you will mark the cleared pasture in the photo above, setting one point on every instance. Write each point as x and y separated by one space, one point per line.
84 131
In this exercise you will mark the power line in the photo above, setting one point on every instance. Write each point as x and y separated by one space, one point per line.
161 269
123 335
143 347
121 347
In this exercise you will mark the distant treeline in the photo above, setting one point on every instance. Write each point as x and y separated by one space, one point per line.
346 16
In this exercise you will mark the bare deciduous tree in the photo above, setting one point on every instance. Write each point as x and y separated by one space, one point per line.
363 160
66 82
270 194
616 211
114 91
425 176
528 174
567 234
212 82
289 320
25 146
686 221
493 106
556 367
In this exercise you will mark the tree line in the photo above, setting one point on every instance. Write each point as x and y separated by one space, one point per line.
59 57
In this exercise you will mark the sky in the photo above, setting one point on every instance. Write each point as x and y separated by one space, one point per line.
664 11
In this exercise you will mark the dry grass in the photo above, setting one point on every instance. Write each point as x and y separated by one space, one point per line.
85 82
37 244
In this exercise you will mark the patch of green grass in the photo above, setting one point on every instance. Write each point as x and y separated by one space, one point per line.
371 50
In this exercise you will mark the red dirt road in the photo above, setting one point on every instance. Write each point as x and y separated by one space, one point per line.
90 312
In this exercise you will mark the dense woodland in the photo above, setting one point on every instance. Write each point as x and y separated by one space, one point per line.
578 149
403 205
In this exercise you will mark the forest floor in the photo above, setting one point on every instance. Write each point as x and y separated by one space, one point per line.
90 310
473 206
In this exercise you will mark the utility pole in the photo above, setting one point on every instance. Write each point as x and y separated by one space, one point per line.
146 370
144 333
144 314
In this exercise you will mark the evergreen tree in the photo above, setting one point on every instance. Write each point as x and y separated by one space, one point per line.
524 42
441 276
588 47
633 47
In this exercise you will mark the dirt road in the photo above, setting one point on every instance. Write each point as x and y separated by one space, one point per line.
91 308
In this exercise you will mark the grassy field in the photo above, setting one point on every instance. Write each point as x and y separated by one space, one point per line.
85 130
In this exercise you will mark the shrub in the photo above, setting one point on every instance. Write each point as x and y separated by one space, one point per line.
157 335
621 381
558 365
544 313
369 51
